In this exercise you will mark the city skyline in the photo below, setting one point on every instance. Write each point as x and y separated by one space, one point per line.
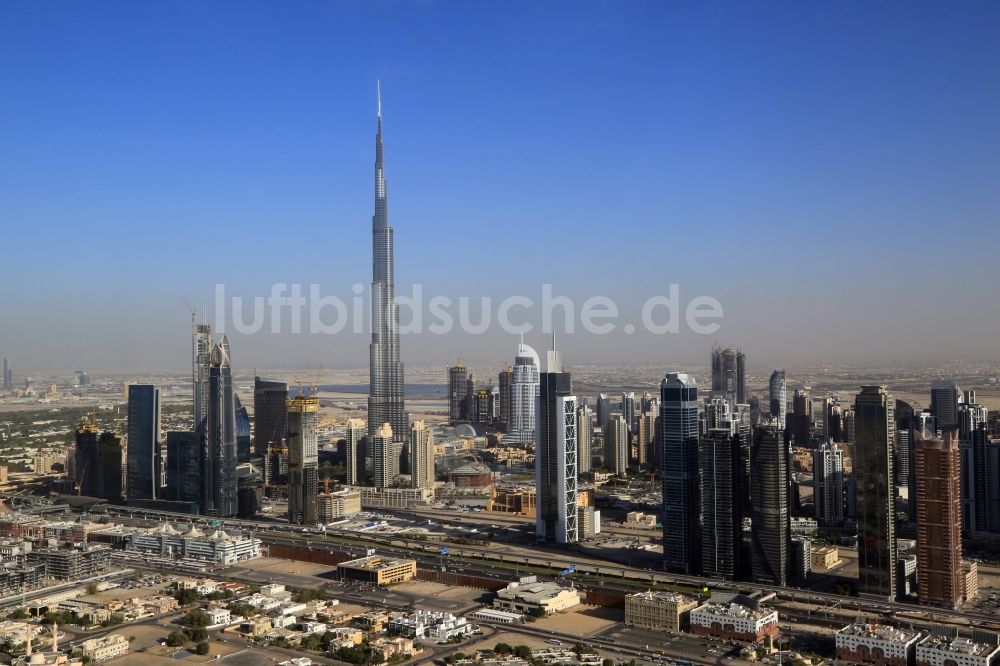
784 161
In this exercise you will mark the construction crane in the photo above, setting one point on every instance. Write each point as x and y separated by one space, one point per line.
194 313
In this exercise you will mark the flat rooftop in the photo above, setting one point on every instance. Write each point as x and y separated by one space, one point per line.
734 610
882 632
375 563
657 595
958 645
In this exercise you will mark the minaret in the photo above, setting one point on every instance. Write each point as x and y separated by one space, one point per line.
385 395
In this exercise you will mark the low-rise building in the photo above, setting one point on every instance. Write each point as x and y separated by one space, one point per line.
276 591
218 616
216 546
256 626
881 644
825 558
640 520
393 498
486 614
338 504
531 597
948 651
107 647
518 500
970 580
392 647
434 625
741 620
68 562
658 611
377 570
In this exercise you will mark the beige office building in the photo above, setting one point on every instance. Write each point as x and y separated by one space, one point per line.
658 611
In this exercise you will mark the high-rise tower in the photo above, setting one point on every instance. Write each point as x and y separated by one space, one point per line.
770 552
556 455
778 394
220 474
385 393
144 457
874 432
201 362
678 436
303 460
523 392
421 456
939 521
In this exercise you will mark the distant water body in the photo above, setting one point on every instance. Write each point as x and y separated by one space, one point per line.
426 390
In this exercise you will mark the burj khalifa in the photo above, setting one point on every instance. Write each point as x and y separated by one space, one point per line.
385 394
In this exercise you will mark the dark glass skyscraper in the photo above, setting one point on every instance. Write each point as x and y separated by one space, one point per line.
270 415
770 551
874 432
109 446
722 505
385 393
186 453
678 433
242 431
88 469
144 462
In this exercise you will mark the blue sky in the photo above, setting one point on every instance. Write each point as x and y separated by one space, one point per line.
826 170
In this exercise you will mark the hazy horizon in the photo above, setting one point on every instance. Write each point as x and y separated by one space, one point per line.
826 172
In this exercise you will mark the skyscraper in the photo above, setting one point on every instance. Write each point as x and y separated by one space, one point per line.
186 466
303 460
357 473
628 411
945 399
422 456
242 431
8 379
385 394
603 410
770 552
504 382
874 432
778 397
201 362
88 468
384 454
458 393
524 393
939 532
616 445
678 436
585 439
729 375
828 484
719 455
270 415
110 446
144 462
556 455
219 480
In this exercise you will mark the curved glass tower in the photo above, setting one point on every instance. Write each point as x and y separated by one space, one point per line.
385 393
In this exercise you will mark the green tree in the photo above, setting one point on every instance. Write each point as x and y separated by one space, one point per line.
502 649
201 648
196 618
522 652
176 639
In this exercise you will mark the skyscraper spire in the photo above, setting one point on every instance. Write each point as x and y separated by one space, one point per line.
385 395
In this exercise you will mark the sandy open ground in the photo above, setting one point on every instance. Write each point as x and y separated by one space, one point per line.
284 566
581 621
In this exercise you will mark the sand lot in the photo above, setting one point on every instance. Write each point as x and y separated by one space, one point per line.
581 621
274 564
417 588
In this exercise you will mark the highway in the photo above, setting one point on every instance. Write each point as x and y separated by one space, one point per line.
468 558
